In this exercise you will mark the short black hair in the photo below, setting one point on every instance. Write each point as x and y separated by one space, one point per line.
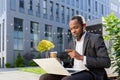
79 18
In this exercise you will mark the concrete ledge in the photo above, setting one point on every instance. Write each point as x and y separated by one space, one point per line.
111 74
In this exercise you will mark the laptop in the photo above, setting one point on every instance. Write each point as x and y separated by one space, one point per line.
53 66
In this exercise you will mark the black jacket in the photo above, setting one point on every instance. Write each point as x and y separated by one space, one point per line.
96 55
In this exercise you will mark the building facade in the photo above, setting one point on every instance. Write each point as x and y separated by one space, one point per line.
115 7
23 23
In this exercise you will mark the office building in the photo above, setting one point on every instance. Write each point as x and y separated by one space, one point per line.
23 23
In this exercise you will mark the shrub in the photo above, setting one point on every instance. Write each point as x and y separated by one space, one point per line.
19 62
32 63
112 25
7 65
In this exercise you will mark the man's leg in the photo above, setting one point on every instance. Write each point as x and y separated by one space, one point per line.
51 77
85 75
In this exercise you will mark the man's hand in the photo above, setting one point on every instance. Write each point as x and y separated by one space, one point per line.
74 54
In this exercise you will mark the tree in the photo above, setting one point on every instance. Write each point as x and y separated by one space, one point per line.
112 25
19 62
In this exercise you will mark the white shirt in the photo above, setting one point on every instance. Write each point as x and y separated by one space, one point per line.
79 64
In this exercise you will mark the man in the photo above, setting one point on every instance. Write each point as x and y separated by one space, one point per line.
89 53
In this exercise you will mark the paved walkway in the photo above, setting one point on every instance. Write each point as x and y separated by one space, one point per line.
15 74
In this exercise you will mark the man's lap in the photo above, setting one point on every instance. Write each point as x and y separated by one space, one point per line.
84 75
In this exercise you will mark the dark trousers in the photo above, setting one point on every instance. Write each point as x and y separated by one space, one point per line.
84 75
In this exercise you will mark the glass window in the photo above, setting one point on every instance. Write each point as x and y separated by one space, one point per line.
51 8
21 3
21 6
34 36
48 32
114 7
77 12
30 10
59 38
73 13
38 8
62 14
0 37
31 3
96 5
68 15
57 10
81 4
102 9
45 7
68 1
77 3
13 4
62 0
89 3
18 34
72 2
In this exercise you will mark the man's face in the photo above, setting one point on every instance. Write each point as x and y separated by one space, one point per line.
76 29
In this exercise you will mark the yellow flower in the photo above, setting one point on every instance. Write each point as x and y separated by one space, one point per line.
45 45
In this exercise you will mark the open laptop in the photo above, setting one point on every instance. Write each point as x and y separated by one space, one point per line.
53 66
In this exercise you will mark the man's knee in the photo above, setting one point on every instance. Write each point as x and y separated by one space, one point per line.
65 78
44 77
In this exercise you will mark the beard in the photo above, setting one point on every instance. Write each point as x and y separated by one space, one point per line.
77 36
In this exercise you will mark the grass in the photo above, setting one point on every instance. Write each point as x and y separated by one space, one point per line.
36 70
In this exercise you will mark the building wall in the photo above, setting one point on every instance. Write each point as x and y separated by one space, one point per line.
115 7
12 10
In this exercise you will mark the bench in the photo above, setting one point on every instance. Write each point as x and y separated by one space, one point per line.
111 75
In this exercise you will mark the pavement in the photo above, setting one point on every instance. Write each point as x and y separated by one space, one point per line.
16 74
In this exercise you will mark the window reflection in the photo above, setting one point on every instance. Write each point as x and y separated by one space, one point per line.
18 34
34 36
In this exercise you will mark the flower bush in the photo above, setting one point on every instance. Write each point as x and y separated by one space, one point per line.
45 45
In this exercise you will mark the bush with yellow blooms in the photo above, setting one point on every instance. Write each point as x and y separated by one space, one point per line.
45 45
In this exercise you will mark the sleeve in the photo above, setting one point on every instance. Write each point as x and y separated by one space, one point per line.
101 60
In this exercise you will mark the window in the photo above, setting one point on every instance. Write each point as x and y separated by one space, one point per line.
51 8
30 10
21 6
62 0
96 6
31 3
68 16
13 4
77 12
57 10
59 39
48 32
38 9
89 4
68 2
34 36
18 34
0 37
81 4
73 12
114 7
102 9
45 7
72 2
77 3
69 35
3 35
89 17
62 15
